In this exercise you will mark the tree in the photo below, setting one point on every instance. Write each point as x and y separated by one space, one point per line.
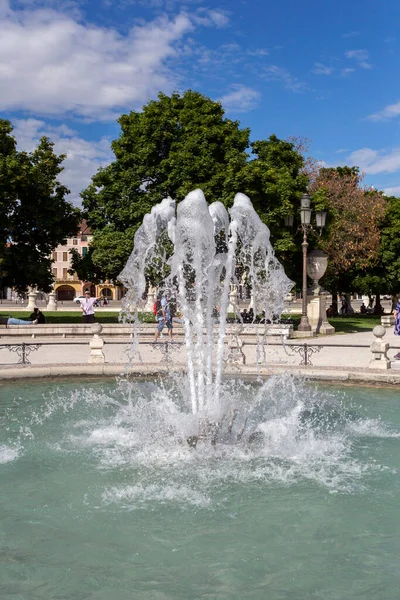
34 214
385 276
174 145
353 234
275 182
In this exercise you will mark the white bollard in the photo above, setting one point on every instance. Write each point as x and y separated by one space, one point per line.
379 350
96 344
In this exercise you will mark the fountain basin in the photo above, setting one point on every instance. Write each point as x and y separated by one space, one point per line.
101 499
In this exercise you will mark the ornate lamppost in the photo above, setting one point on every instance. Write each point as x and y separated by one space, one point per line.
305 226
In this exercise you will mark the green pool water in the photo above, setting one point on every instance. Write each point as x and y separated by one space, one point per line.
103 499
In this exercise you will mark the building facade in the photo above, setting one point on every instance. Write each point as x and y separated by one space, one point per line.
67 286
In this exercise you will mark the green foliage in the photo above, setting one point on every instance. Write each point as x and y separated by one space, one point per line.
384 277
177 144
34 215
274 181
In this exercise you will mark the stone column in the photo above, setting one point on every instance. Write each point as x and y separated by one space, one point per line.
379 350
96 344
32 295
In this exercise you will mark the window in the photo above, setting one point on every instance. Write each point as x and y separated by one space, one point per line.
65 256
54 256
84 238
55 272
65 273
75 242
84 250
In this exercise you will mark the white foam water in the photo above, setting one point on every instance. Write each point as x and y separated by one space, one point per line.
281 431
8 453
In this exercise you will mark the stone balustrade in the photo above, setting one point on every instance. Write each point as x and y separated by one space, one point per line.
120 330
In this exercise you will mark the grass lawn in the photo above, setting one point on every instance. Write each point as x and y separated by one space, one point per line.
352 324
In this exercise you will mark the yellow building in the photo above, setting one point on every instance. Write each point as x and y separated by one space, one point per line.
67 286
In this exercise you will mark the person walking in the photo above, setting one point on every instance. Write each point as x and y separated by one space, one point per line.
396 315
163 316
87 306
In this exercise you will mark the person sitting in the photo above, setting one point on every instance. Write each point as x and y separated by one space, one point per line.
37 316
363 309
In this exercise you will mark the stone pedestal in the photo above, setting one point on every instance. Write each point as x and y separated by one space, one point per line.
52 303
32 300
96 344
316 312
233 300
379 350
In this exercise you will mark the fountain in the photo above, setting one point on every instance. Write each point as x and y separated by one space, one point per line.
200 273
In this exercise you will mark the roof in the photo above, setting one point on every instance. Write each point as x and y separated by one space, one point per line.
84 228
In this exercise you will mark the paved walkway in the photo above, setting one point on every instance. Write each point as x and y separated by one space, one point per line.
340 357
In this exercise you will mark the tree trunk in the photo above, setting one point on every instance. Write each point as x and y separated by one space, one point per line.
378 310
335 311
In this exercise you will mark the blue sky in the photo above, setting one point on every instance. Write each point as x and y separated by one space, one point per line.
325 70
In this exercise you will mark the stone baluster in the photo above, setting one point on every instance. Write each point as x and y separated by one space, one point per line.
379 350
96 344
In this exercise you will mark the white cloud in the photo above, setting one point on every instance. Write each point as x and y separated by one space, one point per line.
240 99
361 57
51 63
389 112
215 18
373 162
275 73
392 191
320 69
83 157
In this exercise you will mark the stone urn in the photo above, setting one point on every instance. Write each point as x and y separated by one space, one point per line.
317 262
